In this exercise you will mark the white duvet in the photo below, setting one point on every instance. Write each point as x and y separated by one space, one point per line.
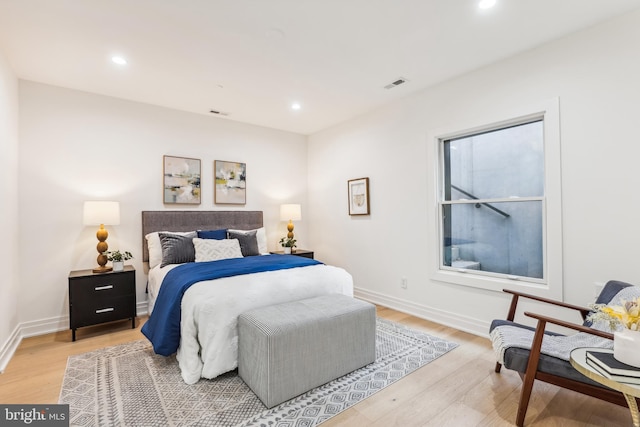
210 309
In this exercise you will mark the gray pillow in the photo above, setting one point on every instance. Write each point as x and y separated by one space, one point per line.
177 249
248 242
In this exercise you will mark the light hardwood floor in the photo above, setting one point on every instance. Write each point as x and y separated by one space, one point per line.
457 389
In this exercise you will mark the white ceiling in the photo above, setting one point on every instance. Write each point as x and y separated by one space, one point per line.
253 58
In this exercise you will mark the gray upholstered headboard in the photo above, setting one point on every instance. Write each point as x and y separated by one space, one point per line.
196 220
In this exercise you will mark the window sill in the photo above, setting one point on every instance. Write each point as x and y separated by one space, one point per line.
465 277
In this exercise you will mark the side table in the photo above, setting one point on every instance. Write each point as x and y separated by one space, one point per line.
578 360
298 252
101 297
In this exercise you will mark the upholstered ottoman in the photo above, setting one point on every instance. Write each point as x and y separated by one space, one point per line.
288 349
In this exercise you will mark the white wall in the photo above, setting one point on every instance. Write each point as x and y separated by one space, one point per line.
595 74
9 290
76 146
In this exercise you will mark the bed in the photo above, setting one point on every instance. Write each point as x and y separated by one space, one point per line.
207 343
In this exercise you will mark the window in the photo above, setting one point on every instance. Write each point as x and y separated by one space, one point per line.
492 201
498 204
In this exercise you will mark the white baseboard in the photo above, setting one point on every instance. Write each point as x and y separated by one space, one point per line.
42 327
454 320
9 348
142 308
30 329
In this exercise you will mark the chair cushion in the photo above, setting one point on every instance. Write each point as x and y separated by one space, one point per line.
516 358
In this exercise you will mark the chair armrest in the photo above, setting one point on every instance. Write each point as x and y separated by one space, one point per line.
584 311
574 326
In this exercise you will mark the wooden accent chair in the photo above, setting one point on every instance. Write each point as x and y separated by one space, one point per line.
532 365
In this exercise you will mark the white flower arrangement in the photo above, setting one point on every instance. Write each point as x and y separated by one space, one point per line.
626 315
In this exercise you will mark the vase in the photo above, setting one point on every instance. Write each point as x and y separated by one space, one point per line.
118 265
287 250
626 347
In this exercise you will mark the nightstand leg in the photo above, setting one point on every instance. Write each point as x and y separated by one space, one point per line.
73 335
133 323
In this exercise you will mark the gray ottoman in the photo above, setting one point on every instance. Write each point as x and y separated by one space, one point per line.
288 349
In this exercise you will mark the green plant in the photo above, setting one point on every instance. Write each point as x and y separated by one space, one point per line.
288 242
117 255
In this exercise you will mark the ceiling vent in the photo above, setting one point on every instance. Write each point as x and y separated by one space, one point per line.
219 113
397 82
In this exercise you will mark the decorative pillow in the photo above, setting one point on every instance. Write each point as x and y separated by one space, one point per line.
155 249
261 235
212 234
176 249
248 242
215 249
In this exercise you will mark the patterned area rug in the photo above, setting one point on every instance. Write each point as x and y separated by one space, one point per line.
129 385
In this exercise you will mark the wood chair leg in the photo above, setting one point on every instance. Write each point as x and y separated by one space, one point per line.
525 395
530 375
498 367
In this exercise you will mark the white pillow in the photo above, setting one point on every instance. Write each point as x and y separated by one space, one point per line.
214 250
261 236
155 248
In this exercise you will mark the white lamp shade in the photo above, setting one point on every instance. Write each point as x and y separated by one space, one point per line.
290 212
98 212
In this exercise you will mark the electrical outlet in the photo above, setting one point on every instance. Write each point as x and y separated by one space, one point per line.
403 284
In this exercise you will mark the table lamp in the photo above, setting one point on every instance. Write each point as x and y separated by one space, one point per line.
290 212
101 213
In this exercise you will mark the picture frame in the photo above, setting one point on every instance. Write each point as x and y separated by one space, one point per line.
230 182
181 180
358 196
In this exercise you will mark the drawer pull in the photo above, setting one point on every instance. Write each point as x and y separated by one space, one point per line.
104 310
103 288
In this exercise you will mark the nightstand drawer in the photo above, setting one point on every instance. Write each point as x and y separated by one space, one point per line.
103 311
109 286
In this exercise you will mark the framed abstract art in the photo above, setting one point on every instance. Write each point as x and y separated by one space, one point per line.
230 183
359 196
181 183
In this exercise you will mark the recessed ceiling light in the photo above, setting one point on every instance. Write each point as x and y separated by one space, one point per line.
295 106
119 60
486 4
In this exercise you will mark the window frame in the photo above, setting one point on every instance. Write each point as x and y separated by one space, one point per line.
551 283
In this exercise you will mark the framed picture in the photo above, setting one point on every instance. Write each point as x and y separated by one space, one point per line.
231 182
181 180
359 196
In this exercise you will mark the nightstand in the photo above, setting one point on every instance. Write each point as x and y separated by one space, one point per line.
298 252
101 297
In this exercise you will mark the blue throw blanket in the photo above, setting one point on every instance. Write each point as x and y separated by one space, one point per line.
163 326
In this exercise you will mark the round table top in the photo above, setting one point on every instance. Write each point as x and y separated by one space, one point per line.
578 360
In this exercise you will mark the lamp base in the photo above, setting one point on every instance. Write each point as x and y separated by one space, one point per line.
102 269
